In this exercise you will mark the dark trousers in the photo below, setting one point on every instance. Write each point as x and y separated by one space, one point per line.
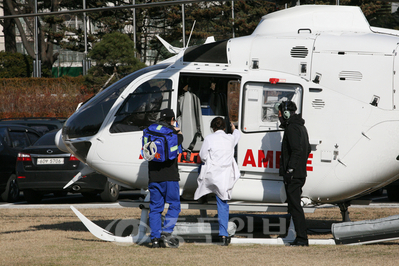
294 192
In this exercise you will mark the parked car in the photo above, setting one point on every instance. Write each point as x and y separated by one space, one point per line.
40 124
43 168
13 138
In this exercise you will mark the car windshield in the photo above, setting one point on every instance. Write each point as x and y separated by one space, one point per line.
43 129
46 140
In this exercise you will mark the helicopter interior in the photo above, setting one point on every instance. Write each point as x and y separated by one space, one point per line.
200 99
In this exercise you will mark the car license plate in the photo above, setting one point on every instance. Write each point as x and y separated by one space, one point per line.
50 161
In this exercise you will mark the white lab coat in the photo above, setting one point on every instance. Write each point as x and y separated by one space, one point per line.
220 171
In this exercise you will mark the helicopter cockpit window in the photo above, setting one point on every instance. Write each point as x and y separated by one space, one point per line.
261 102
142 107
87 120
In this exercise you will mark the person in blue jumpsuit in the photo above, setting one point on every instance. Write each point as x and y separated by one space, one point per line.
164 187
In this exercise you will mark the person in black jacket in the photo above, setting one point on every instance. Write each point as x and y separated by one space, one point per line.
163 185
295 149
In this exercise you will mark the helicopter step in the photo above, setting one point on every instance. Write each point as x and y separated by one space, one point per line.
366 232
233 205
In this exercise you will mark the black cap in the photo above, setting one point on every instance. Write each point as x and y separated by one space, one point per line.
167 113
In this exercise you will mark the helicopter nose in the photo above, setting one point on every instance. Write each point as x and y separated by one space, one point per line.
59 142
83 125
79 147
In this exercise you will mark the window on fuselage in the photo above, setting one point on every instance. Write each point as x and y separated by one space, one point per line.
142 107
261 100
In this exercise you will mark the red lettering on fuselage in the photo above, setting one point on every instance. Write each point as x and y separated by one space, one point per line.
266 160
278 155
249 159
309 163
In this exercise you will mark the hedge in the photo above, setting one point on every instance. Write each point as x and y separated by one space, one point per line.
41 97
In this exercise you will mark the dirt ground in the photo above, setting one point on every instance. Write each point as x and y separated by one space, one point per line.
57 237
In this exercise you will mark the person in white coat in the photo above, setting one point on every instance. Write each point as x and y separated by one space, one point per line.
220 170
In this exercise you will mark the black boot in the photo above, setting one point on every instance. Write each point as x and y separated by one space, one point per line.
168 240
225 240
299 243
155 243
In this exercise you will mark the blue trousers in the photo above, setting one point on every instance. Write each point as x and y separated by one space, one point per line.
160 193
223 216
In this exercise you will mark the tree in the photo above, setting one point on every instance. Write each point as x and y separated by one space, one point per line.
249 14
15 65
104 22
114 54
52 29
211 19
48 35
215 19
9 32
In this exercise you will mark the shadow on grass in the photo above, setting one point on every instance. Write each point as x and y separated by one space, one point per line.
125 227
64 226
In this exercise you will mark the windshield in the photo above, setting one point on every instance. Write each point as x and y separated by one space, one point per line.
87 120
141 108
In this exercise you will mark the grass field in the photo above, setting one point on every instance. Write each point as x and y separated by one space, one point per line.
57 237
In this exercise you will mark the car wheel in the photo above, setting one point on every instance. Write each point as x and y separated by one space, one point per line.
89 195
32 196
110 193
392 192
377 193
11 194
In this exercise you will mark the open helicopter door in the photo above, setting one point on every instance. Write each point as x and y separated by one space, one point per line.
202 97
260 144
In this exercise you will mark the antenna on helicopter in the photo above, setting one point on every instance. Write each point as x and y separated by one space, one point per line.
192 29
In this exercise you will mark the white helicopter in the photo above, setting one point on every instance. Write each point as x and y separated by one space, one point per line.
340 71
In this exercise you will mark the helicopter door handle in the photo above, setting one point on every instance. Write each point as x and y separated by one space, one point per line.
310 31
